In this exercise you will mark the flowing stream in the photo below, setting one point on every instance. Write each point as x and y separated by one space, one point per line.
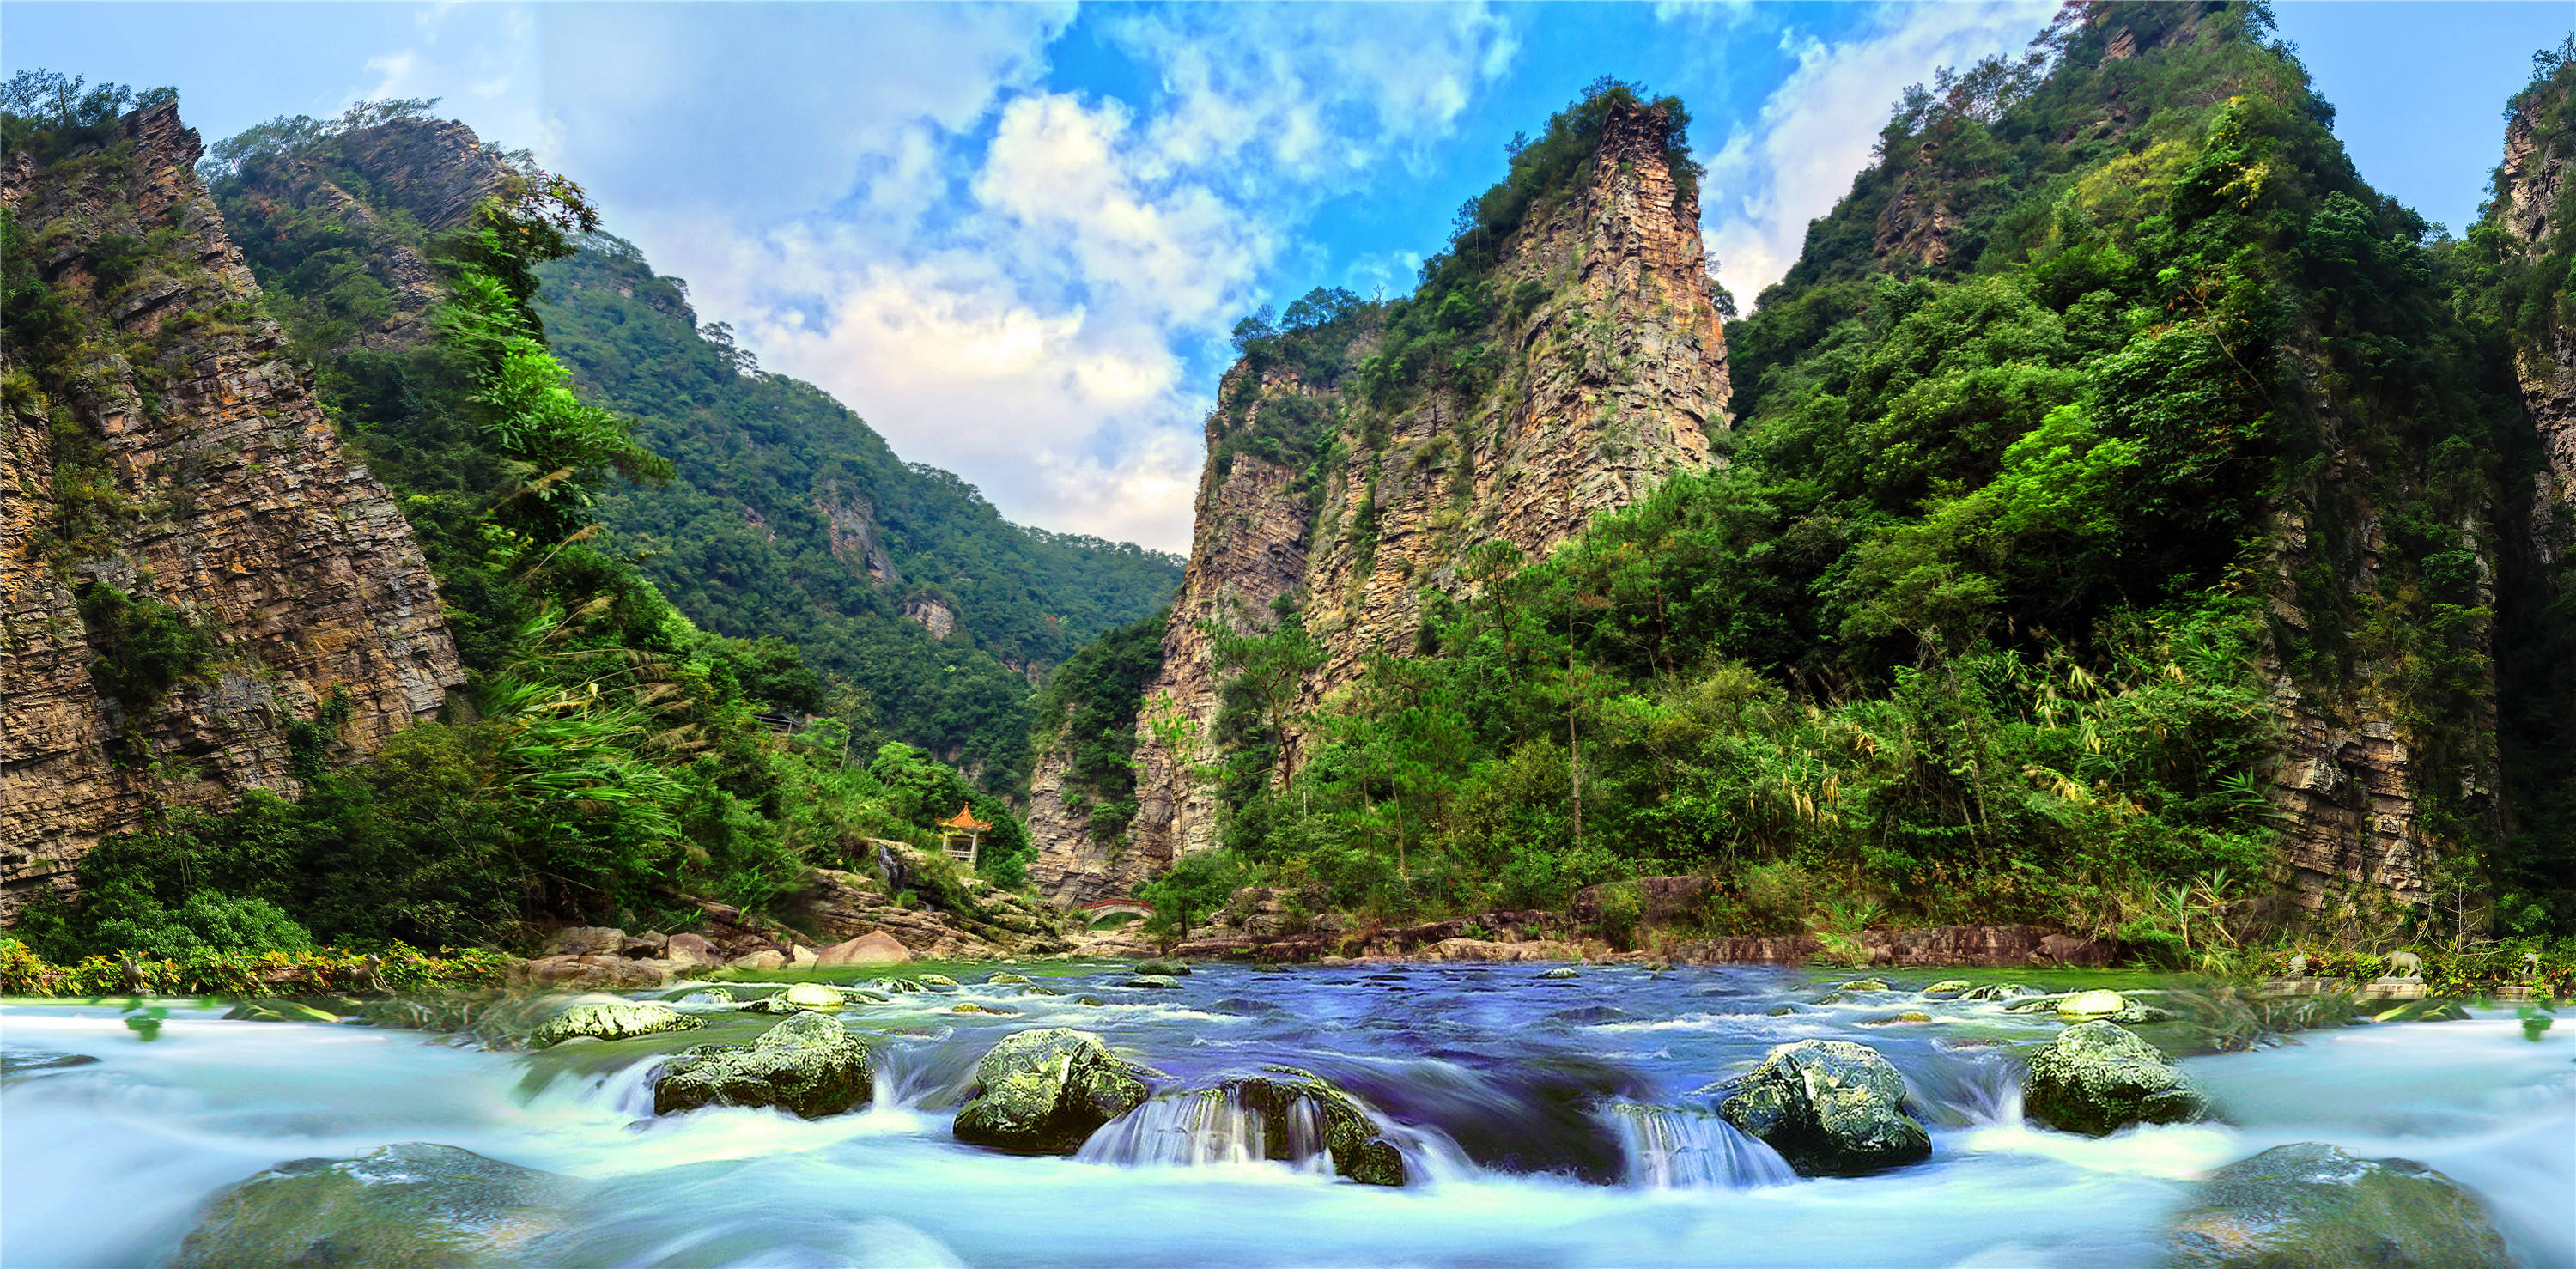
1545 1122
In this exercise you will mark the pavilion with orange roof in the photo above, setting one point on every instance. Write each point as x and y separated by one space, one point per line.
962 824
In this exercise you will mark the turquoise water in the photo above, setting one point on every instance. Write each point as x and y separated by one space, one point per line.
1547 1123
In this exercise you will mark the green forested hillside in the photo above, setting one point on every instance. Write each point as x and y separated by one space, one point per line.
607 758
785 517
744 539
2109 394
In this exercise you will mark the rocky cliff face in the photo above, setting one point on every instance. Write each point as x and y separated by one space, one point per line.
1615 374
189 565
2533 204
429 173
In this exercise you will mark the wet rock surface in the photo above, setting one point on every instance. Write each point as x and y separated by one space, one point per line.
2097 1078
1047 1091
2303 1205
809 1065
417 1205
1284 1093
621 1021
1830 1107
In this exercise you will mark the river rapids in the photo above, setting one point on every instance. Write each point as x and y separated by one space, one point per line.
1544 1122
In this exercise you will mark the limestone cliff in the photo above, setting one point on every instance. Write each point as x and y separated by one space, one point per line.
189 564
2532 205
1612 374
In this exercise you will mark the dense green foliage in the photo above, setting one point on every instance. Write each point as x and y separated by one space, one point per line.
48 114
782 497
139 646
1973 625
610 760
206 970
1088 714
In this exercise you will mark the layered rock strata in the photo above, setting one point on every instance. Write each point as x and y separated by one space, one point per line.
175 455
1616 375
2532 196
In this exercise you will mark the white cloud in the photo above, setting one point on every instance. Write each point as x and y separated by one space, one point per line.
1020 290
1321 92
1020 284
1814 132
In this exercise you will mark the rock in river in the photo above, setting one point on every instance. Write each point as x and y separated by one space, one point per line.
1830 1107
1286 1094
1045 1091
809 1064
2091 1004
814 996
1168 969
2312 1206
619 1021
417 1205
2097 1078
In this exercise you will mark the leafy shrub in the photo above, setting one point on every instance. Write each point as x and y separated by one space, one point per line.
1777 897
142 647
207 923
1621 907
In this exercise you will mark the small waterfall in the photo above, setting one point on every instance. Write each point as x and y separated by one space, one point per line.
1208 1126
1971 1089
893 870
1673 1149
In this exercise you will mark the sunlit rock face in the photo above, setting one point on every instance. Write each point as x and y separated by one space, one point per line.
1613 376
175 456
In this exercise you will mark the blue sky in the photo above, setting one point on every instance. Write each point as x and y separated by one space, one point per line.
1013 237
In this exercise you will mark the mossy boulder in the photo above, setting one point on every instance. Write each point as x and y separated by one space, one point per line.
1865 984
1999 991
1560 972
2087 1005
1282 1095
605 1021
935 980
2097 1078
418 1205
1157 982
2310 1205
1167 968
808 1064
1046 1091
1830 1107
1005 979
806 996
1949 987
968 1006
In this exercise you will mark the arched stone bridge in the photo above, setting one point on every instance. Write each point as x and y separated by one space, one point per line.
1094 912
